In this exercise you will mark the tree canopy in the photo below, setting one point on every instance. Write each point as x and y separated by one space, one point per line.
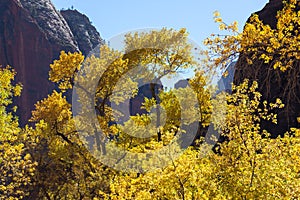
92 148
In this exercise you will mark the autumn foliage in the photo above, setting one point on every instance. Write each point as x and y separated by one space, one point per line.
56 157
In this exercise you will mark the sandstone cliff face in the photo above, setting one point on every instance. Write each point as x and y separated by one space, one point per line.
50 22
32 34
276 85
85 34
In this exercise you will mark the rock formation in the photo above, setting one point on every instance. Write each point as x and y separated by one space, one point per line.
85 34
148 90
51 22
32 34
182 83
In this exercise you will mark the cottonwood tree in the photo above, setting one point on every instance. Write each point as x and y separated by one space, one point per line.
16 166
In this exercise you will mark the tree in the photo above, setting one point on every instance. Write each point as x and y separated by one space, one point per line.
61 149
57 157
16 166
268 54
112 77
249 165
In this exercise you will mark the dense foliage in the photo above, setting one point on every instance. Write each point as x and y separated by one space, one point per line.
51 160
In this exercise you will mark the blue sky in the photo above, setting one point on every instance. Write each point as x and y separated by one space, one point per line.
112 17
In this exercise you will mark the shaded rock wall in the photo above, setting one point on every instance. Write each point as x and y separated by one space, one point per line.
273 83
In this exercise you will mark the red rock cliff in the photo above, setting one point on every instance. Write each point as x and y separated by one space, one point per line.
32 34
